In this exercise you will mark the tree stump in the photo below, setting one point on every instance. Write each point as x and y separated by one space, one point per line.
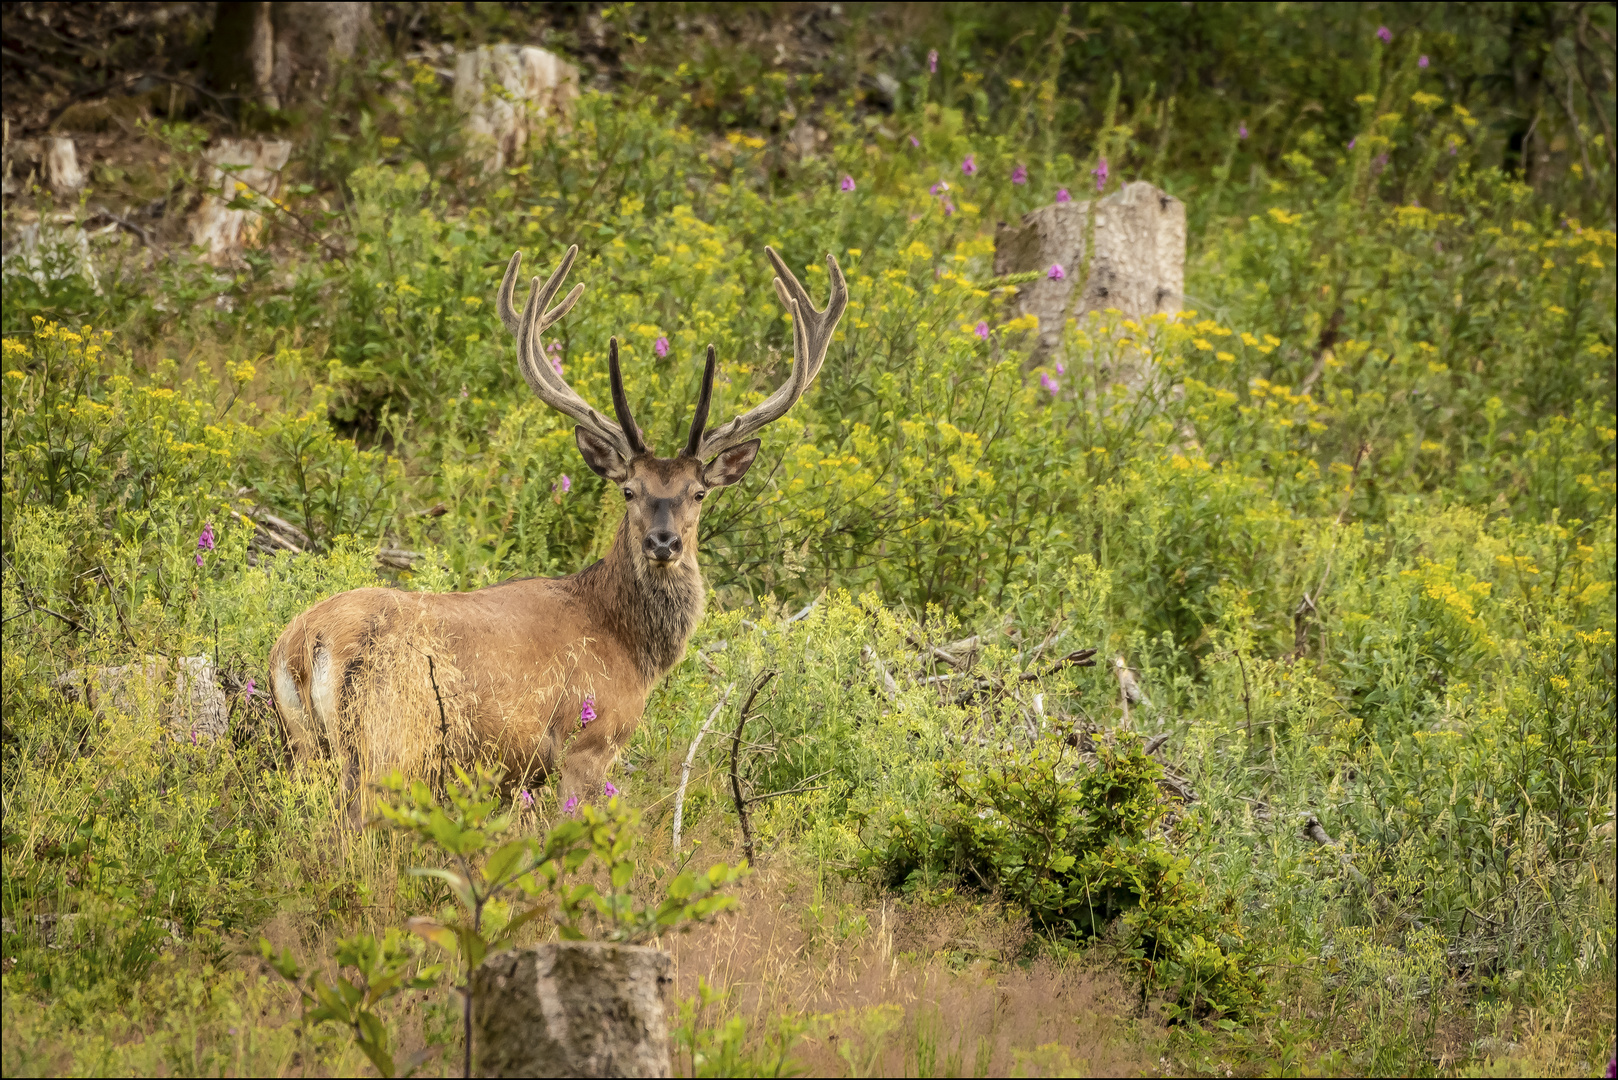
573 1008
503 89
62 172
1137 266
221 232
283 54
197 708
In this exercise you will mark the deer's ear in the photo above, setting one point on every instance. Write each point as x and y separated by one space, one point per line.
731 465
601 457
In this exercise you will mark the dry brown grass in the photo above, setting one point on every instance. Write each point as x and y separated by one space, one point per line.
899 989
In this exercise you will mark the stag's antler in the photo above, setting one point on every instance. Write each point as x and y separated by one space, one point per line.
551 388
811 334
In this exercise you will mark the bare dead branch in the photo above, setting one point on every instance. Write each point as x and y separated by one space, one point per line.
690 758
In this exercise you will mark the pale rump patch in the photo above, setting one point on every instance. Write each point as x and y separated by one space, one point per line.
323 691
286 695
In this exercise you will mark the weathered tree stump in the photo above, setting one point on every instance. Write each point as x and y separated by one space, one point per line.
62 172
221 232
573 1008
283 54
1137 266
503 89
197 707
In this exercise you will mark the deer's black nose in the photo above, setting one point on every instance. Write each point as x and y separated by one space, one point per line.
662 544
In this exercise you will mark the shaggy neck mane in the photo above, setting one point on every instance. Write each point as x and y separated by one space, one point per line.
650 611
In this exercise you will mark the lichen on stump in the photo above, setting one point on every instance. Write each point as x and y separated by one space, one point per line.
573 1008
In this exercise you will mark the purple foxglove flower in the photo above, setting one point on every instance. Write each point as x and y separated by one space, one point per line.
970 164
661 346
848 183
1422 61
981 330
1048 383
556 364
1063 196
932 61
194 736
526 797
1019 175
571 805
949 208
251 688
464 392
1100 173
199 558
565 483
1056 273
937 188
1352 141
1060 368
205 542
587 712
608 790
1385 34
1241 131
915 142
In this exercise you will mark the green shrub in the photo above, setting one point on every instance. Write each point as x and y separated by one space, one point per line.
1078 845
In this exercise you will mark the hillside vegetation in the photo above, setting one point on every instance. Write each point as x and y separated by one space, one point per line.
1355 546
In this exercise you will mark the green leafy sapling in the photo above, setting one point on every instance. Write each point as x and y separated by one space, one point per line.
380 972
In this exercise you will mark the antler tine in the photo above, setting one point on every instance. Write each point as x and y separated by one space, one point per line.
508 314
811 336
699 419
547 385
620 400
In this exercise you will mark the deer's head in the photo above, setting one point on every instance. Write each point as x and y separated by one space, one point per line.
664 495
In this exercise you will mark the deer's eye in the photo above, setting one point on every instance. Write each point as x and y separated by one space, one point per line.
701 495
629 493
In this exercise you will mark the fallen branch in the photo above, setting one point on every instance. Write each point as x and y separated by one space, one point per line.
398 558
275 537
690 758
993 684
32 607
129 226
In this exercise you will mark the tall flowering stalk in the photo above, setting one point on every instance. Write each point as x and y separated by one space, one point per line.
205 542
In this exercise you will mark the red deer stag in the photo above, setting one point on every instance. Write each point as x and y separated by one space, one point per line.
384 679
